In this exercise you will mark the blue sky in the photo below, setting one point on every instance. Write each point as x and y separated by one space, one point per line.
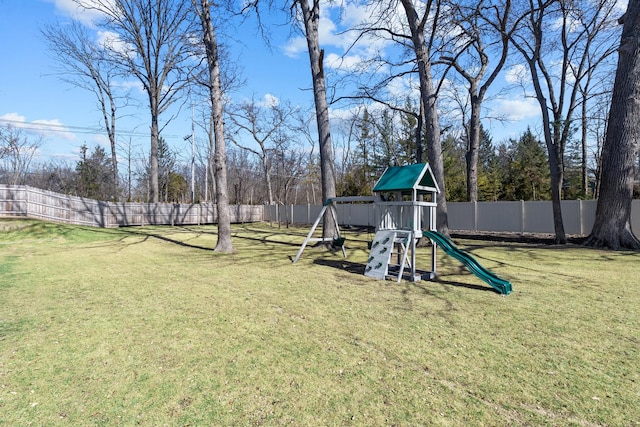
34 98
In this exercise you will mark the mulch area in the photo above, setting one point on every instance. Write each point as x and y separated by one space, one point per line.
534 238
494 236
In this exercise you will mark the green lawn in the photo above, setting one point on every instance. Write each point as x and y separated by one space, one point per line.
148 326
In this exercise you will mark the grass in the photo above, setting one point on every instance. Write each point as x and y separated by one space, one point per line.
148 326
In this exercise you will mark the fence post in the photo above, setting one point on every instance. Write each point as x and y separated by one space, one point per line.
522 216
26 201
475 215
580 221
69 209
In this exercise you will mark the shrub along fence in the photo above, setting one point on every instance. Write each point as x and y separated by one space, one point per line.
25 201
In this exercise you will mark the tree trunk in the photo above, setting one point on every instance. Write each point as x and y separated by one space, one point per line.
419 147
153 184
557 178
428 97
474 145
114 156
110 125
224 243
311 17
267 175
612 227
584 173
555 155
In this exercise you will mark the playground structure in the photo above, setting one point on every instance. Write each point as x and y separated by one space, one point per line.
405 210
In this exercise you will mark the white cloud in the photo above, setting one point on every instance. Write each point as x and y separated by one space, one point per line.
345 64
71 9
269 100
621 6
334 20
14 119
128 85
295 47
400 88
517 109
517 74
111 41
40 127
342 114
102 140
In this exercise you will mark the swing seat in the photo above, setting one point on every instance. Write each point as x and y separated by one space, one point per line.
338 242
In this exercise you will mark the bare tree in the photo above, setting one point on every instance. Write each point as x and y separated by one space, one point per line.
422 20
263 124
203 10
474 42
555 40
54 176
310 12
83 64
598 116
307 13
595 88
417 23
310 161
16 153
612 227
151 41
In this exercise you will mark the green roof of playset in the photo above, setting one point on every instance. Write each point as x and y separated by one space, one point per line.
406 179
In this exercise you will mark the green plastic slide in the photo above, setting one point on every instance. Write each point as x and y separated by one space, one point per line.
500 285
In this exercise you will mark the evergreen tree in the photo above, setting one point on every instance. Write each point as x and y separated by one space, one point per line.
489 175
177 188
365 171
387 154
453 150
166 166
572 185
94 174
528 174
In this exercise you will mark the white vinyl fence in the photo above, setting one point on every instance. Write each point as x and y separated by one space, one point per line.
515 217
25 201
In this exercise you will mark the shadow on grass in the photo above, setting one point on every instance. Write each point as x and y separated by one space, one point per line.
475 287
342 265
147 235
358 268
269 237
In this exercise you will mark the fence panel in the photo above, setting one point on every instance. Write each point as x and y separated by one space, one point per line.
537 217
462 215
499 216
518 217
47 205
13 201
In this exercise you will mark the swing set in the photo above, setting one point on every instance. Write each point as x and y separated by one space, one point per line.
404 203
405 210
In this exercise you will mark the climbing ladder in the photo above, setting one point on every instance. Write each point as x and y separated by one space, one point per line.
385 245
